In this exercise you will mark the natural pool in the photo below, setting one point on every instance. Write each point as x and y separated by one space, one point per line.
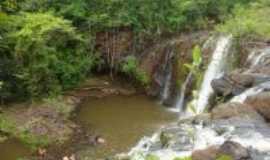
122 121
12 150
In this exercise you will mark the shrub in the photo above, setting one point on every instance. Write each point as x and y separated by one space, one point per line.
130 68
194 67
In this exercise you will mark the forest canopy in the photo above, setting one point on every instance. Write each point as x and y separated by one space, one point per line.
47 46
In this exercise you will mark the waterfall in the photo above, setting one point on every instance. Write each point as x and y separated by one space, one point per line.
167 84
180 104
215 69
165 93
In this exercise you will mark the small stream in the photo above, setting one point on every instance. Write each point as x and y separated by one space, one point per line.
122 121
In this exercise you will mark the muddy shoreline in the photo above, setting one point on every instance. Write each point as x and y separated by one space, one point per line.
59 124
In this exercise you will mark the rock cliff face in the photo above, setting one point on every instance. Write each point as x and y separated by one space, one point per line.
162 60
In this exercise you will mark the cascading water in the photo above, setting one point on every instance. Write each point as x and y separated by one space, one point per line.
215 69
181 100
187 136
167 84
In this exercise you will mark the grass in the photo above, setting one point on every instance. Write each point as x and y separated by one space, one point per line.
24 126
8 126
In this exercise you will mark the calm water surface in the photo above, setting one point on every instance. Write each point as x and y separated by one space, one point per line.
122 121
13 149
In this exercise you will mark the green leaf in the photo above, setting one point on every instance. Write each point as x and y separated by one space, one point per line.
197 56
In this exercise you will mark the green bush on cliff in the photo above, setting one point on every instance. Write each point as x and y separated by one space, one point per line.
194 67
130 67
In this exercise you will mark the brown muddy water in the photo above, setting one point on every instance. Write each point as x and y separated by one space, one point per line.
13 150
122 121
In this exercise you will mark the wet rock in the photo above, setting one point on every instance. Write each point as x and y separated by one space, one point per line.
165 139
204 118
233 84
229 148
234 150
261 103
210 153
230 110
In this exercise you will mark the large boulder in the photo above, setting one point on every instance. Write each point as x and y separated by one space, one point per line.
210 153
261 103
232 84
234 150
230 149
230 110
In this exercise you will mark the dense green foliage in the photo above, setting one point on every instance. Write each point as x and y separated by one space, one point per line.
131 69
195 66
142 15
44 55
48 46
249 21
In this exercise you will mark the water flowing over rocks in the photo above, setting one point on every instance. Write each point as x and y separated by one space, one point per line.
239 80
217 51
248 135
238 127
160 62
